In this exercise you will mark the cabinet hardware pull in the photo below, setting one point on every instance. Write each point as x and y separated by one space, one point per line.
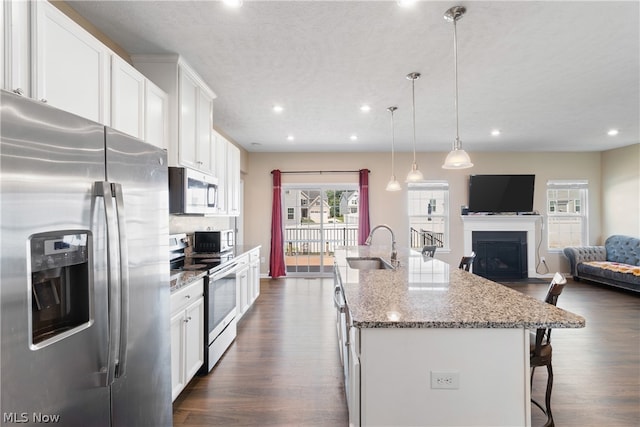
18 91
43 100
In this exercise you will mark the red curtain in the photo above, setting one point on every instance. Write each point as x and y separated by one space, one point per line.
363 207
276 260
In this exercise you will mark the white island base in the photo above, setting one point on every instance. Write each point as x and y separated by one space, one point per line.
396 365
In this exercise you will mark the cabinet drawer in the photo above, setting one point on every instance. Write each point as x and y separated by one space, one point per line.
185 296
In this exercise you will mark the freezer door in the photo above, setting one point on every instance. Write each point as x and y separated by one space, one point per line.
49 160
141 392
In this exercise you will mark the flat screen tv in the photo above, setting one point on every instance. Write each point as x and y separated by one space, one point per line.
501 193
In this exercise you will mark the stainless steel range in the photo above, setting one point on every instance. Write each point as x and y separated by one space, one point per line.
219 291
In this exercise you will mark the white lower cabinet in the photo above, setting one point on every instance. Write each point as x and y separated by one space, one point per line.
187 335
254 275
248 281
242 283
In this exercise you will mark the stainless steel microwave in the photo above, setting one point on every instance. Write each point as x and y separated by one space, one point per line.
192 192
213 241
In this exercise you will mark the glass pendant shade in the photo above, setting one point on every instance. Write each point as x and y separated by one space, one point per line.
414 174
393 184
457 159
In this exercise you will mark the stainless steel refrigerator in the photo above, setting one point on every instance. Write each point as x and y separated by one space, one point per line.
84 272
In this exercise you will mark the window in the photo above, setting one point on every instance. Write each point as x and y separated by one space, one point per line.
428 207
290 213
567 213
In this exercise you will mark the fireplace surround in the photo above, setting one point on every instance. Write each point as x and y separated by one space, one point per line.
522 223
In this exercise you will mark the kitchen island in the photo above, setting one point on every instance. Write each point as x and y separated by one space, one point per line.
428 344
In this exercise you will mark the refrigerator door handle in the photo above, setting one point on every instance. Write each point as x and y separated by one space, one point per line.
103 189
124 280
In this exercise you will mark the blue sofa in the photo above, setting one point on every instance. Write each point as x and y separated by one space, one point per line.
617 263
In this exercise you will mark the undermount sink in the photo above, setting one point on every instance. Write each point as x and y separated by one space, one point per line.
368 263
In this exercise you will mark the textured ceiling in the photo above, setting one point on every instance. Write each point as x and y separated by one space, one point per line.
551 75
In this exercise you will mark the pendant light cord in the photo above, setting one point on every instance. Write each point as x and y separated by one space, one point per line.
393 143
456 144
413 92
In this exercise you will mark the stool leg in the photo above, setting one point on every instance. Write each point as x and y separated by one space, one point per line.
547 399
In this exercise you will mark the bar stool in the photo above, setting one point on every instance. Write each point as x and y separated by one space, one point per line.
467 261
429 250
540 348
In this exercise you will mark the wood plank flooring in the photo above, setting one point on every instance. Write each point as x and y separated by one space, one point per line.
284 368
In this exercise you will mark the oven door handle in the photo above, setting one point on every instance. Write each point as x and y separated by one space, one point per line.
225 271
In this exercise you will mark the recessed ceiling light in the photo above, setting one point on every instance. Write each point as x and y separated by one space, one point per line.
232 3
278 108
365 108
353 137
290 138
495 132
612 132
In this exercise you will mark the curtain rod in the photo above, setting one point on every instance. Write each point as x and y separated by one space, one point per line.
318 172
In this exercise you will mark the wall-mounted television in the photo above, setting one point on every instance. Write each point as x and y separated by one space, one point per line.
501 193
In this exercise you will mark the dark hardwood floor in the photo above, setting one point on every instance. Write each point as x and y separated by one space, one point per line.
284 369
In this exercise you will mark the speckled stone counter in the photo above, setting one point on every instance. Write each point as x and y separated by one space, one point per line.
428 293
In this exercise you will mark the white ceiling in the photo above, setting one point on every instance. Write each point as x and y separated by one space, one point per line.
551 75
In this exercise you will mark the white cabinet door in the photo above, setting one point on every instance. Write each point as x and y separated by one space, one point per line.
177 354
156 113
242 285
221 171
71 66
188 118
233 180
194 338
254 275
204 131
127 98
16 55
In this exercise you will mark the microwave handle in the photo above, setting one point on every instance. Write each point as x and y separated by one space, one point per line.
212 200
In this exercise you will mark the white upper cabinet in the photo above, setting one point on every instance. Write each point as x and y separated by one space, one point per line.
70 66
190 107
127 98
188 92
16 55
156 111
233 180
220 161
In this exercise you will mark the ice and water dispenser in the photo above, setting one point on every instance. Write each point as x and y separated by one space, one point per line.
60 283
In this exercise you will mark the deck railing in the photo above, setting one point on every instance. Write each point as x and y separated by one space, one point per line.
424 237
309 239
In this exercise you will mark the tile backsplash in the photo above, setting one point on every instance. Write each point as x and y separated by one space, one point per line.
189 224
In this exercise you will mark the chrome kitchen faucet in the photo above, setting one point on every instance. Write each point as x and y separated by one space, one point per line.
394 251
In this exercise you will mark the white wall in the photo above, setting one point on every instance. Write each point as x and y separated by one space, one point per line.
621 192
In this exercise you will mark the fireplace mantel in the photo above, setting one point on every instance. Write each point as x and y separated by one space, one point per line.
504 223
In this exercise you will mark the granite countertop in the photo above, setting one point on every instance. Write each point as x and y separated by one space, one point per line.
179 278
425 292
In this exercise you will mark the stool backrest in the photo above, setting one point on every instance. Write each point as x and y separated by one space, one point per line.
429 250
467 261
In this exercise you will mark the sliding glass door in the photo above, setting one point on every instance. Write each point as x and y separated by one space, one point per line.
316 220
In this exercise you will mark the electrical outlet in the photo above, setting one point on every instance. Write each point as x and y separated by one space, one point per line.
261 260
445 379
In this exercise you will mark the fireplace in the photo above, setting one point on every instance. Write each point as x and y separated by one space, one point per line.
500 254
499 223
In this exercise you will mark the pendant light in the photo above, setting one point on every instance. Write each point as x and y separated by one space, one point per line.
457 158
414 174
393 184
